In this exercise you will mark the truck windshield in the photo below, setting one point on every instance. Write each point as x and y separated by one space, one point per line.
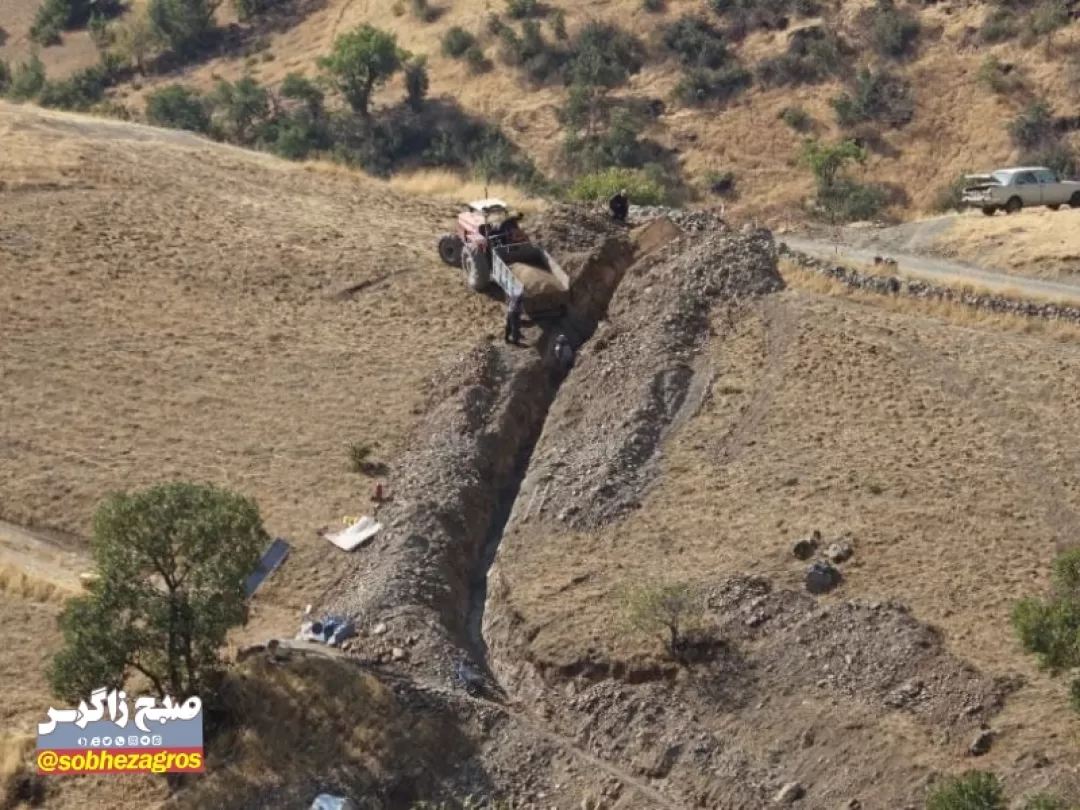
1001 177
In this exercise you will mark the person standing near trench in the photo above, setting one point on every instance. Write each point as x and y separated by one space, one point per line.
512 333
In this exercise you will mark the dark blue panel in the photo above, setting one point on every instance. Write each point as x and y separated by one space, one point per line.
273 557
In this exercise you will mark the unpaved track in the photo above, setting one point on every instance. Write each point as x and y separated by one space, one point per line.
940 270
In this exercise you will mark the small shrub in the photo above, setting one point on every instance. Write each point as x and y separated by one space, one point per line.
876 96
892 33
702 86
999 77
814 55
424 11
494 24
848 200
187 26
523 9
457 41
744 16
178 107
417 82
948 196
558 26
27 80
398 8
668 611
359 457
797 118
998 25
80 91
51 18
641 187
696 43
974 790
654 6
722 184
249 9
477 62
5 77
603 55
1034 127
807 8
1048 17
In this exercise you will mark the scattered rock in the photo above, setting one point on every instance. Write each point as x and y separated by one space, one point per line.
789 793
804 549
982 743
379 629
839 551
807 738
821 577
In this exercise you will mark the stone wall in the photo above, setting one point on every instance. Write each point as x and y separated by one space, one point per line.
895 285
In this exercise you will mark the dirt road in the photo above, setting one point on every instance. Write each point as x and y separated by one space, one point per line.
941 270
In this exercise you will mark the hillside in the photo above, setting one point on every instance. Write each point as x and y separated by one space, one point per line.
178 309
957 122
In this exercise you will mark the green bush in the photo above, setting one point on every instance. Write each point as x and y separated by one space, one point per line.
948 197
876 96
495 26
248 9
81 91
477 62
603 55
1034 127
701 86
558 25
892 32
5 77
813 55
796 117
424 11
670 611
1044 801
187 26
999 77
744 16
696 43
457 41
722 184
178 107
848 200
27 80
1049 16
51 18
523 9
361 61
974 790
641 187
998 25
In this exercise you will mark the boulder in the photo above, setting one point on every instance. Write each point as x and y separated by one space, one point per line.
821 577
839 551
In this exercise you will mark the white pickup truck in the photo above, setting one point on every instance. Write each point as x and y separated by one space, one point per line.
1019 187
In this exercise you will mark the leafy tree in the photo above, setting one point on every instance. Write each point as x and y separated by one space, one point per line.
840 198
892 32
185 25
1034 127
245 106
178 107
171 563
974 790
298 87
1050 628
697 43
362 60
669 611
138 39
827 161
28 79
877 95
456 41
416 82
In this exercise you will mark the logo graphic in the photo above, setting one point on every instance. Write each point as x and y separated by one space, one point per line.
165 739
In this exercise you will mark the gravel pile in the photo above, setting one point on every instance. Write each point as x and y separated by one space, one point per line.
636 376
689 221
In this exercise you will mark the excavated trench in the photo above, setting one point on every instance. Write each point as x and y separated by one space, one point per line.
423 582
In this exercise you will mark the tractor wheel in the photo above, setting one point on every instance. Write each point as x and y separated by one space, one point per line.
1053 207
1074 201
477 271
989 210
1013 205
450 249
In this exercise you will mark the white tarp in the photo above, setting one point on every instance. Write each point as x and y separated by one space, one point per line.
356 535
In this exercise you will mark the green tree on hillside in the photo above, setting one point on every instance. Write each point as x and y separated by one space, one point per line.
186 25
171 564
362 60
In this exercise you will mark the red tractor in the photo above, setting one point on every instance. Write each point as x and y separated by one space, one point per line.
490 246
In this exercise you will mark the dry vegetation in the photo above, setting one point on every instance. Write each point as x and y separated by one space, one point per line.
959 123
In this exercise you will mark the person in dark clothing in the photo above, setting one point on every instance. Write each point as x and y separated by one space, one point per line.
564 355
620 206
513 320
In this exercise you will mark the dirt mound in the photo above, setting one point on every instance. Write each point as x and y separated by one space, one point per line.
655 234
790 680
636 377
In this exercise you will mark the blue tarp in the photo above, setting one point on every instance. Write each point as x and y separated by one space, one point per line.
273 557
